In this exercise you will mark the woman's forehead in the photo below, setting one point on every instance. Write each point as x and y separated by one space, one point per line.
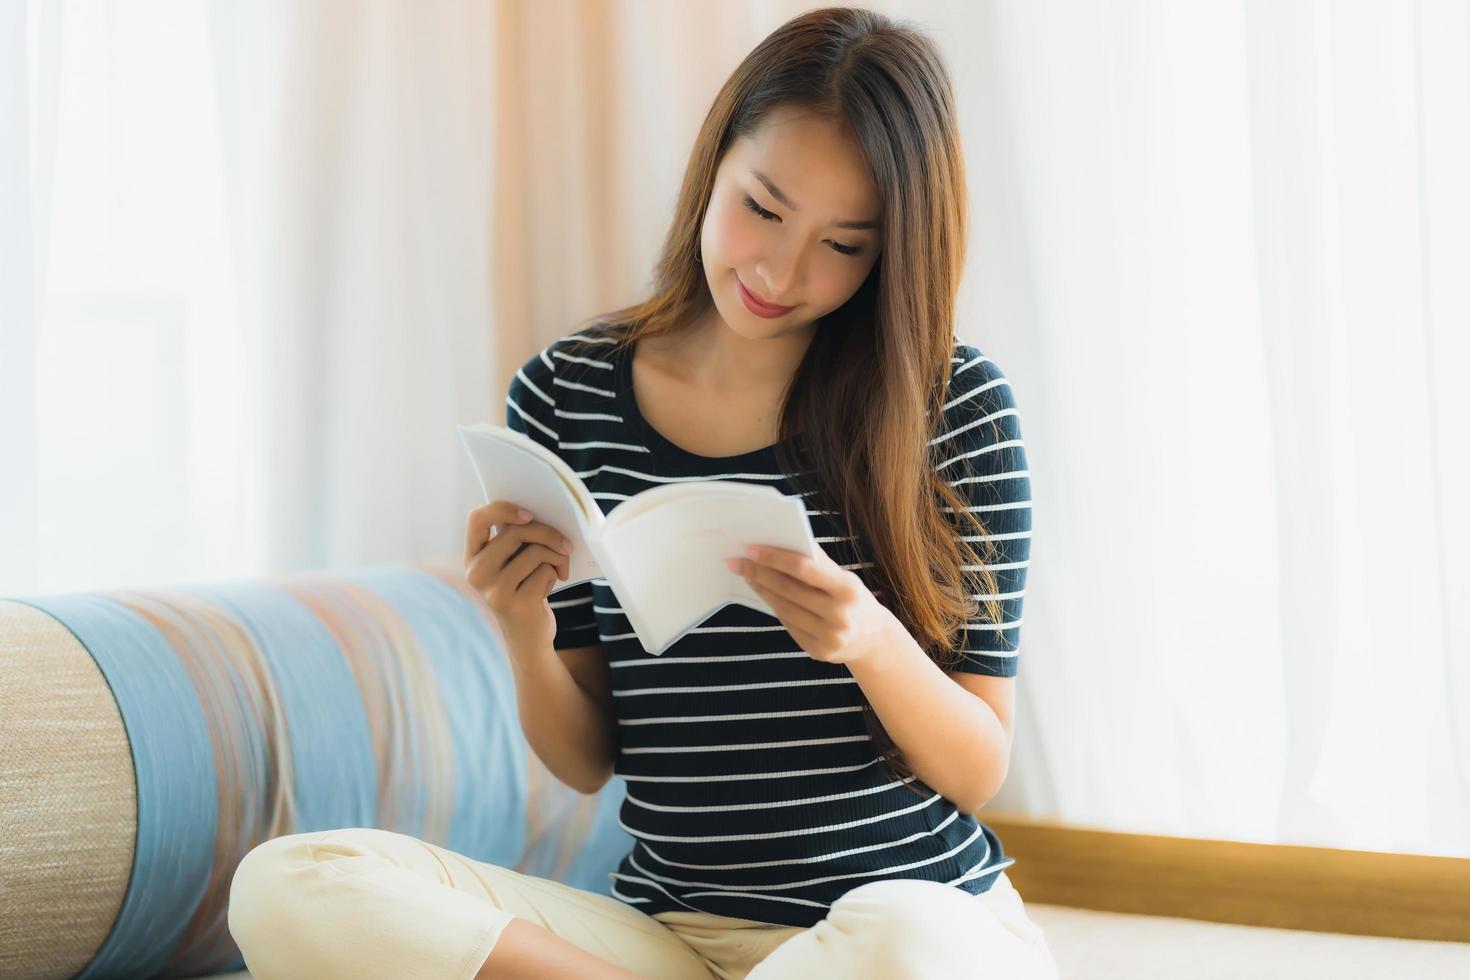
815 165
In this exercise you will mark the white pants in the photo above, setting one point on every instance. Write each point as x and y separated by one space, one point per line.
360 903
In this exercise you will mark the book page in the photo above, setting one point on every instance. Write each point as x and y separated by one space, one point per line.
666 562
512 466
730 491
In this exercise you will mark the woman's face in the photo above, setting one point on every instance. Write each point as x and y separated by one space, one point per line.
775 224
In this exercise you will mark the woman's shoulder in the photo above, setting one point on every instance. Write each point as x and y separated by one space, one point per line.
584 353
595 339
977 385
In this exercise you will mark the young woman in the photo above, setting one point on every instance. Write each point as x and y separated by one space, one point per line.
800 788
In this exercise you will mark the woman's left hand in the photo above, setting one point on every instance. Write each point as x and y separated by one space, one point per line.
826 608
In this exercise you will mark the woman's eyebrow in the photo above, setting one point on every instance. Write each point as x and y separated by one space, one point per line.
776 193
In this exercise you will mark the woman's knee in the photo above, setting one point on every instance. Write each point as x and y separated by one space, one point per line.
908 927
259 901
353 901
910 903
267 882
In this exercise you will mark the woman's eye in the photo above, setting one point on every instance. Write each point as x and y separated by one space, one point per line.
768 216
750 203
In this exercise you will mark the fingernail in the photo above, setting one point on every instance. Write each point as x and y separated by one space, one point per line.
566 544
523 514
752 552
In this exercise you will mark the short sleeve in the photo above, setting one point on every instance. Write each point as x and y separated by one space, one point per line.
530 409
982 455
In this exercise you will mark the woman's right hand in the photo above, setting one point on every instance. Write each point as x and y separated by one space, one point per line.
514 568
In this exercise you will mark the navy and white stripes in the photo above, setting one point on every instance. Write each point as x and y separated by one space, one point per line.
754 789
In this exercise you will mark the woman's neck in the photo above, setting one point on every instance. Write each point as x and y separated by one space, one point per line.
714 356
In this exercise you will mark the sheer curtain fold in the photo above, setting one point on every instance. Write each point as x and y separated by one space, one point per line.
1242 299
257 260
28 40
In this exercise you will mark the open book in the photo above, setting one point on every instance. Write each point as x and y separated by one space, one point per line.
662 550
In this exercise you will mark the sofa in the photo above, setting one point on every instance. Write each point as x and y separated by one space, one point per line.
150 737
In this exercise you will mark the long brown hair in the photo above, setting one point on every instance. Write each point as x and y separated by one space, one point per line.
859 434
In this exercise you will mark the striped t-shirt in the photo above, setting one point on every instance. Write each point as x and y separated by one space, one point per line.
753 787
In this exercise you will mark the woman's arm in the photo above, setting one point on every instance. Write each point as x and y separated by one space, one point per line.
570 729
952 739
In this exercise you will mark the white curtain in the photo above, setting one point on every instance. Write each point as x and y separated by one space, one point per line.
246 289
1224 248
256 260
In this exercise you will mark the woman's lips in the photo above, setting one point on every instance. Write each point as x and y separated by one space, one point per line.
757 307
